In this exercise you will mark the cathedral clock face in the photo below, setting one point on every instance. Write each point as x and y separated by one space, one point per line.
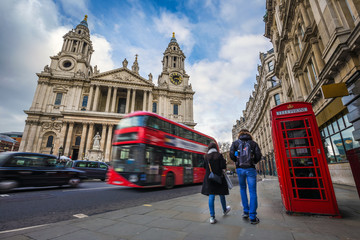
176 78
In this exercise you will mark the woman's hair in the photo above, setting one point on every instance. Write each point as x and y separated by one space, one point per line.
245 131
212 145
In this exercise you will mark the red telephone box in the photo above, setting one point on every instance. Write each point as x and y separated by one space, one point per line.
304 177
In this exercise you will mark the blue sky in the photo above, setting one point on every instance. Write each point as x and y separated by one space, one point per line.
221 40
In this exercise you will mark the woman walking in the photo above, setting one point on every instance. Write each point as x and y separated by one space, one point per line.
215 162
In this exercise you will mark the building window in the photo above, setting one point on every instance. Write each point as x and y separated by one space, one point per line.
351 12
176 109
277 99
121 105
271 66
77 141
154 107
299 43
337 138
273 82
313 71
85 100
58 98
309 79
49 142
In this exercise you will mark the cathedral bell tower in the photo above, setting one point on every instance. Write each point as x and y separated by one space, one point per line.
173 66
74 58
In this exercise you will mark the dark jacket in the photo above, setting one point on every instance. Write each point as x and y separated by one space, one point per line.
217 163
255 150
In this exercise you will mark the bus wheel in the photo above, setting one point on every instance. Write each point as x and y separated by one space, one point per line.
170 181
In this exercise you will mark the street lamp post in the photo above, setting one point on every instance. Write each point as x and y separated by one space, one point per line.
60 151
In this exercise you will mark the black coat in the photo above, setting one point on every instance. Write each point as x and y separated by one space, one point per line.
217 163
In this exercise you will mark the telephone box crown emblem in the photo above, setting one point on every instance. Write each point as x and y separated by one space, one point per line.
290 106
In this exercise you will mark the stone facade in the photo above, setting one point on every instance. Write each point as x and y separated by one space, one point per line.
317 42
267 93
73 100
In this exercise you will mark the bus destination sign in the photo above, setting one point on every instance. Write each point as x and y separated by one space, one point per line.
291 111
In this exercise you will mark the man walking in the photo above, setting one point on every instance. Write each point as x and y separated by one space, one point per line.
246 153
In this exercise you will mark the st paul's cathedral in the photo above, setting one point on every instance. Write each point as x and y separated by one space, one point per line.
74 101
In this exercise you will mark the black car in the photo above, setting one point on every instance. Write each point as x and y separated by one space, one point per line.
23 169
92 169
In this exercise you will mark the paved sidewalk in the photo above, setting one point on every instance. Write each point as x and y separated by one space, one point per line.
188 218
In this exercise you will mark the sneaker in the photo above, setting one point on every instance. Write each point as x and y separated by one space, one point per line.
254 221
228 208
212 220
245 215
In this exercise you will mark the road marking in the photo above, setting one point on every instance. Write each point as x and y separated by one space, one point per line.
80 215
4 195
88 189
25 228
147 205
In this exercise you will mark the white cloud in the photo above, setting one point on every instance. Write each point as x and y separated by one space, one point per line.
169 23
102 56
220 93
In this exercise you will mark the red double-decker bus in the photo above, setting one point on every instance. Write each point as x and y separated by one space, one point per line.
150 150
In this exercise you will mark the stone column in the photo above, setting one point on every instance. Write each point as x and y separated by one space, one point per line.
83 140
108 143
128 100
305 85
24 137
133 100
103 136
304 14
113 104
31 137
89 137
38 89
96 99
144 101
69 139
45 100
37 142
150 101
319 62
91 93
108 100
302 88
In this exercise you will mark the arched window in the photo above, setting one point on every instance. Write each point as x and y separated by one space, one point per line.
50 141
77 141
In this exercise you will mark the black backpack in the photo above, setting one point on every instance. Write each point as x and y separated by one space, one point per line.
244 154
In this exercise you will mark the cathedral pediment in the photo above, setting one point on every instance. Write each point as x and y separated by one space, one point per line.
123 75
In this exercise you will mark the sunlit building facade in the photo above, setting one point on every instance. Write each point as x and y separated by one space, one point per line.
316 43
267 94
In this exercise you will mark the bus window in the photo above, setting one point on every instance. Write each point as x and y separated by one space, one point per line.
153 122
131 122
198 160
169 157
187 161
166 127
128 158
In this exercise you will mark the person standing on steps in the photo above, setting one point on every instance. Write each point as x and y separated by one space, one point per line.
215 162
246 153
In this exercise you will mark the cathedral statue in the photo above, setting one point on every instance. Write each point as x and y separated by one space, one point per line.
96 144
125 63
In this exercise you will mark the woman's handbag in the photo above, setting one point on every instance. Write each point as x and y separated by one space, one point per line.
213 177
228 181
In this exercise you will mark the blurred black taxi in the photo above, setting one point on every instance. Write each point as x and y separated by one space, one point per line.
92 169
23 169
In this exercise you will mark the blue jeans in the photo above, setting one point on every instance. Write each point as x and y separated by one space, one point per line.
211 204
248 175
